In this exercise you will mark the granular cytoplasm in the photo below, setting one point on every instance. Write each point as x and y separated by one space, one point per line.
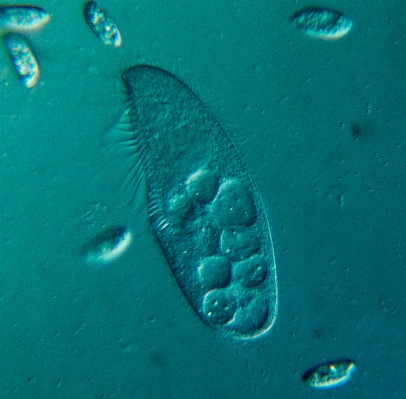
22 18
102 24
329 375
322 23
204 207
108 246
22 58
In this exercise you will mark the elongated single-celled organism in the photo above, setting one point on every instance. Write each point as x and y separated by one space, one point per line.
204 207
322 23
330 374
22 18
22 58
108 245
102 24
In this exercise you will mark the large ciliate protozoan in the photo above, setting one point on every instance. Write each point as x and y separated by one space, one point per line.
204 207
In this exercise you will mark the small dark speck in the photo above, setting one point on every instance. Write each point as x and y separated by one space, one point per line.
32 379
362 130
317 333
356 131
157 360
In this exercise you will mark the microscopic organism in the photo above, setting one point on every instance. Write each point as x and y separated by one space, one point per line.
330 374
22 18
102 24
204 207
107 246
22 58
322 23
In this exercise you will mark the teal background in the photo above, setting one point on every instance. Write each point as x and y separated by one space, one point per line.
336 204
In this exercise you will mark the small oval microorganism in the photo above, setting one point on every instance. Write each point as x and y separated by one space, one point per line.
22 18
22 58
322 23
329 375
102 24
108 245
